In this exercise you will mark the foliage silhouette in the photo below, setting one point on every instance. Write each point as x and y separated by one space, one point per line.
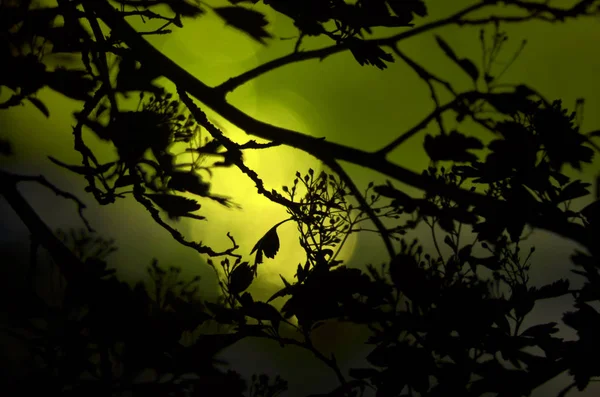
439 324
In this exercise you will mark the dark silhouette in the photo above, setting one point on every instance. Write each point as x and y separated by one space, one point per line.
440 325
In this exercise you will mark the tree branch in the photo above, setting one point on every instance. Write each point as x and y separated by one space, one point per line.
321 149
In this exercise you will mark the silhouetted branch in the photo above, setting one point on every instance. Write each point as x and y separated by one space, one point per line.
233 147
319 148
71 267
234 82
61 193
201 249
364 206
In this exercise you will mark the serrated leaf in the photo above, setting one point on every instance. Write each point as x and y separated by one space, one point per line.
248 21
268 245
454 146
174 206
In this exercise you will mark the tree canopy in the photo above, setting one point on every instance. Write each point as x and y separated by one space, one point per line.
440 324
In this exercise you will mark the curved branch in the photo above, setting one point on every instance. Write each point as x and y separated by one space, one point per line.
318 147
234 82
558 15
364 206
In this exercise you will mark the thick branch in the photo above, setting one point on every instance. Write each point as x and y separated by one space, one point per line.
321 149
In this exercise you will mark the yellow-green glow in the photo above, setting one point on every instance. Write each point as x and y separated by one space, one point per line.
335 98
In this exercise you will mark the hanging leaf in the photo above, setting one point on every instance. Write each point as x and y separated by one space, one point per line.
189 182
454 146
264 311
175 206
185 8
40 105
469 67
248 21
368 53
268 245
465 64
573 190
541 330
402 7
240 278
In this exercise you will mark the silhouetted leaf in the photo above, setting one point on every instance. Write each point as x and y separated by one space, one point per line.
554 290
541 330
189 182
573 191
451 147
174 206
248 21
469 67
40 105
185 8
241 277
446 48
592 212
224 314
264 311
267 245
465 64
400 7
368 53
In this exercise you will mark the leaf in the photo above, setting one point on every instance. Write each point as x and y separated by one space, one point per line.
248 21
240 278
592 212
368 53
267 245
189 182
573 190
185 8
264 311
174 206
469 67
401 7
40 105
465 64
446 48
223 314
541 330
451 147
554 290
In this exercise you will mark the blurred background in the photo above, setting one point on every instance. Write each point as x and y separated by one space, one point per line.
334 98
